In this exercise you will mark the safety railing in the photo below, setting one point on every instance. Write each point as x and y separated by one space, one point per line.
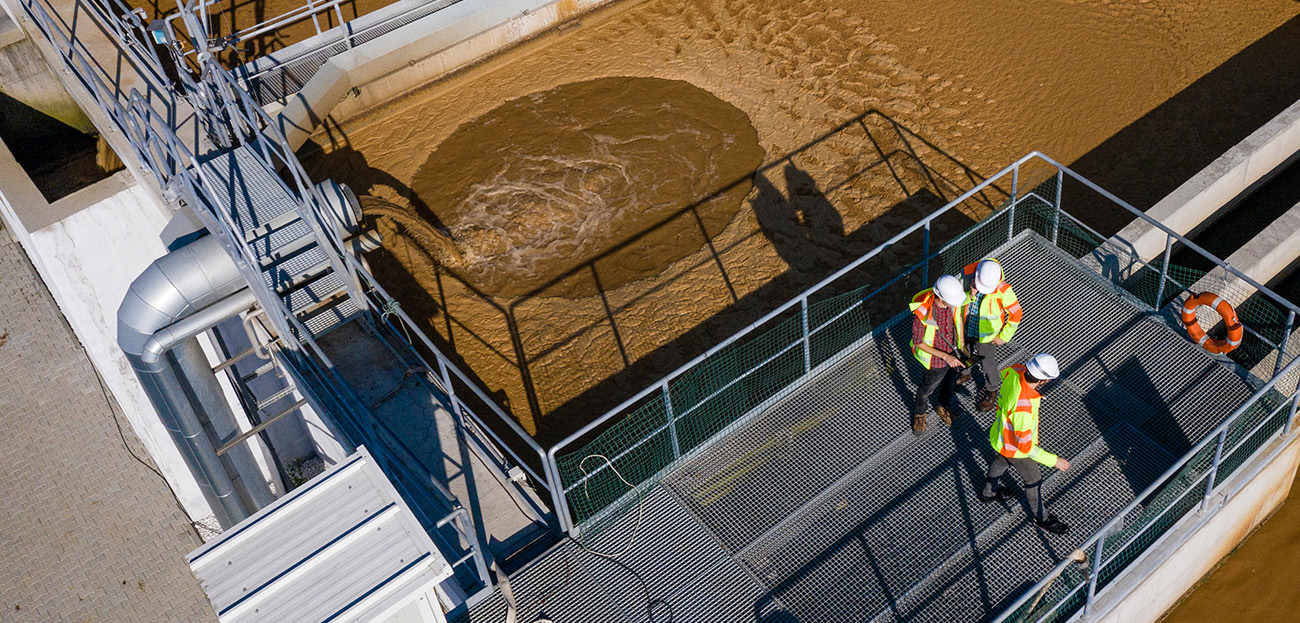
197 14
224 108
503 432
681 414
1190 485
281 74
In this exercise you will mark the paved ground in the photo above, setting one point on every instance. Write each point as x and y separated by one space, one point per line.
87 532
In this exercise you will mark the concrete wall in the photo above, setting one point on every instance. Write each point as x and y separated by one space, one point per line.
418 53
25 76
1198 200
1151 586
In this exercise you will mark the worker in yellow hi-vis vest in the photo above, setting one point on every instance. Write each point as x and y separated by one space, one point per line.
1014 435
937 344
992 315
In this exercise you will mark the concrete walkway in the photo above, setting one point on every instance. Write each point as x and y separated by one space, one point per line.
87 532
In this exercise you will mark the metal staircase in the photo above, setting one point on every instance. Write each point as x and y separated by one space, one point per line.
288 256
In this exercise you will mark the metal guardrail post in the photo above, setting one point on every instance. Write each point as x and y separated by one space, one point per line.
1094 573
925 268
1286 337
1011 212
807 344
1290 418
1056 212
672 421
1164 273
463 525
558 493
1214 469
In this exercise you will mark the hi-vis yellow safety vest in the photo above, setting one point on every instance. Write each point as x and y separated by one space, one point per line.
1015 431
923 306
999 311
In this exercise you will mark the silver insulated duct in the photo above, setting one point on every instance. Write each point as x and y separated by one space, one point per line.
179 286
180 295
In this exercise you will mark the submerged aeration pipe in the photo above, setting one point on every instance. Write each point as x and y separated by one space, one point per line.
180 295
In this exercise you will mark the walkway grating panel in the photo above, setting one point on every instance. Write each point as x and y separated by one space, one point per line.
826 508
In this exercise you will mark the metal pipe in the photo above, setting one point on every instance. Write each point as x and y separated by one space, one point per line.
1056 212
1295 402
1214 470
1094 574
169 336
807 343
672 424
1015 197
925 257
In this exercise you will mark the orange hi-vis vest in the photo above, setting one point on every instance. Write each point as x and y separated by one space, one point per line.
1015 431
923 307
999 313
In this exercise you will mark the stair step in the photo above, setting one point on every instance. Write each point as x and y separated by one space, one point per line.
263 369
277 224
322 303
322 320
248 189
286 251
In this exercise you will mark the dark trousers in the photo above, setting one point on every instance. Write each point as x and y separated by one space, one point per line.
945 379
986 372
1029 471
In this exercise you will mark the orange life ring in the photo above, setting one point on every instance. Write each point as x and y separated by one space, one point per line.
1225 310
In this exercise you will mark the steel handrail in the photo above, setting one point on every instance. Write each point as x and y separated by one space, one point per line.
657 386
1169 232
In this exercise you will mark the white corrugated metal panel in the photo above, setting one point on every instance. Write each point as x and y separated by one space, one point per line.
343 547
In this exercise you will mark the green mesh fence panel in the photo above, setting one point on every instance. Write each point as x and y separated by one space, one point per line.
731 383
1164 507
836 324
639 447
1252 430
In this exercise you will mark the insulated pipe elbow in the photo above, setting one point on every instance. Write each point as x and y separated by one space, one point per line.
173 287
164 339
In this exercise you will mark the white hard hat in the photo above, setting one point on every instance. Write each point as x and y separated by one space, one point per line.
1043 366
949 289
987 276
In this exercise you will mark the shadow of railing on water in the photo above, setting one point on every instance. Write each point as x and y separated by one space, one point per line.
802 225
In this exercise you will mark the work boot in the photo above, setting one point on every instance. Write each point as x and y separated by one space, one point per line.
918 424
964 376
944 414
988 402
1000 494
1053 525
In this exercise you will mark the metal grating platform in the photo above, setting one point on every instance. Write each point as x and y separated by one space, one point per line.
824 507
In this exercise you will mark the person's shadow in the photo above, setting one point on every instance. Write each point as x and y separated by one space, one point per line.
802 225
